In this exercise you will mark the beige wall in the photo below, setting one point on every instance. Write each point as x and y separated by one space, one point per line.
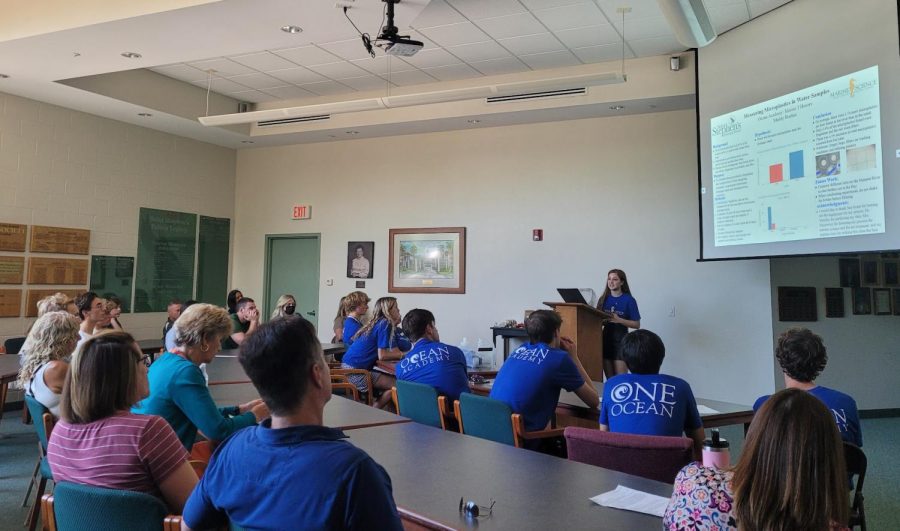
65 168
610 192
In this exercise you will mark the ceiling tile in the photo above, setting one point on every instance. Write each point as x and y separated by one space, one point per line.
290 92
645 28
453 72
478 9
181 71
656 46
639 10
223 67
532 44
455 34
220 85
382 64
544 4
507 65
411 77
327 88
571 16
602 53
257 81
437 13
433 57
550 60
253 96
297 75
263 61
307 55
511 26
589 36
349 49
480 51
366 83
339 70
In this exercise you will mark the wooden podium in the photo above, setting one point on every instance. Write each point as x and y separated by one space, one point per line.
583 325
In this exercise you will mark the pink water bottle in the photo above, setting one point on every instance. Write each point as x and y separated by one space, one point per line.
715 452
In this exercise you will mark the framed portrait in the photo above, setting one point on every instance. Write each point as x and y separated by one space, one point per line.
862 301
360 256
849 272
870 267
890 269
882 298
429 260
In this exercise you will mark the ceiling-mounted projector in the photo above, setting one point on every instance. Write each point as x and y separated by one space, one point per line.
390 41
689 19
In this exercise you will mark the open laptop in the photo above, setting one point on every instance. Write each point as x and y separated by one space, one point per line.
572 295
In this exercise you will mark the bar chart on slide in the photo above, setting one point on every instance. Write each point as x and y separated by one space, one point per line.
794 166
771 221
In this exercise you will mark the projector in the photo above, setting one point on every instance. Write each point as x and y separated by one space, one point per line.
400 46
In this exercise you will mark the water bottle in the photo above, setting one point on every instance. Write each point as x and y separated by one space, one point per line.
466 350
486 353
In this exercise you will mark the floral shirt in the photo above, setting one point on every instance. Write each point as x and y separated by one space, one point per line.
702 499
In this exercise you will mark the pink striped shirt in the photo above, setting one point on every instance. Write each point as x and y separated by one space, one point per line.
125 451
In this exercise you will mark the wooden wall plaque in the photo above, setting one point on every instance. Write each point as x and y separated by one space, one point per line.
12 269
12 237
34 295
58 271
60 240
11 303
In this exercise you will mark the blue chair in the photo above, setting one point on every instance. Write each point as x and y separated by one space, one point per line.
493 420
74 507
43 425
421 403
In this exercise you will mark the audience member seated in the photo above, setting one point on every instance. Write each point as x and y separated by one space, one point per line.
98 442
532 376
234 297
178 391
380 339
92 310
114 309
338 325
790 476
285 305
47 348
429 361
173 330
173 310
58 302
802 357
646 402
244 322
291 471
356 304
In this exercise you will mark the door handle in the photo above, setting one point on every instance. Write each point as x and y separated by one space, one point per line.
312 313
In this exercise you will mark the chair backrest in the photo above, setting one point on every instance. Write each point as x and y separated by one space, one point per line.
856 469
649 456
13 345
418 402
37 411
485 418
86 508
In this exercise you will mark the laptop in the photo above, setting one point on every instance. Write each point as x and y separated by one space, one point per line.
572 295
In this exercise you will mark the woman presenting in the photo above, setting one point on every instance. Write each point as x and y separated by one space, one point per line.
617 301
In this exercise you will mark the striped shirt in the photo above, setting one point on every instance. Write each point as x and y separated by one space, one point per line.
125 451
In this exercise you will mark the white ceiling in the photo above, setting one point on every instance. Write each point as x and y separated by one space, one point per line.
256 62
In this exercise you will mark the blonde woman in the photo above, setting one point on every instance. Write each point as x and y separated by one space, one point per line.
58 302
356 305
50 342
338 324
114 309
285 305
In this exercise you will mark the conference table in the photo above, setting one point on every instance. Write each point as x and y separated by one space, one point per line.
226 369
431 470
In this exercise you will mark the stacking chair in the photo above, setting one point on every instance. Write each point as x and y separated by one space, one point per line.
344 372
856 468
648 456
421 403
341 385
491 419
74 507
173 523
13 345
43 425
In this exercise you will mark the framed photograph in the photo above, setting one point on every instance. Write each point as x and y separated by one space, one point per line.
882 301
896 297
849 272
890 268
862 301
360 256
834 302
869 267
427 260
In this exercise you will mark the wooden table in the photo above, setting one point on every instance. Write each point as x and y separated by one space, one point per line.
340 412
9 373
226 369
432 469
390 367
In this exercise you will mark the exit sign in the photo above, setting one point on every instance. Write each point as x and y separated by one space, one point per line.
302 212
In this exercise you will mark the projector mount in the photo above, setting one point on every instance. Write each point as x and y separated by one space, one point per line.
389 40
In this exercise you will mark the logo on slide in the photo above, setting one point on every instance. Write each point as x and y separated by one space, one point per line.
728 128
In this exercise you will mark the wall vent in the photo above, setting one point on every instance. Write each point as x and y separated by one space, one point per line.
299 120
538 95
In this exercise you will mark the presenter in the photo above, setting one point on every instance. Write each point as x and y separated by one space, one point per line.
617 301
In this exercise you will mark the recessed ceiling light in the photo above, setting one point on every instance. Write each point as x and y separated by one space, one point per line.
616 107
291 29
246 142
131 55
144 114
4 76
76 54
474 121
352 132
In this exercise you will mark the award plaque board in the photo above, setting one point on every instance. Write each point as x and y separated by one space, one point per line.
60 240
167 242
11 303
12 237
12 269
57 271
113 275
34 295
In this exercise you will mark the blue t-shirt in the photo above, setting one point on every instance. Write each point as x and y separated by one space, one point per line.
530 380
302 477
624 306
649 404
436 364
363 353
842 406
351 326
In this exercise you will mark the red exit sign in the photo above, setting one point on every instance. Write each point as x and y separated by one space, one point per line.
302 212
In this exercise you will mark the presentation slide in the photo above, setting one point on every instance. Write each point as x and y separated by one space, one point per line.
805 165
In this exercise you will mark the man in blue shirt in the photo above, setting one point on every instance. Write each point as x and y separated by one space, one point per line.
431 362
290 471
644 402
532 376
802 357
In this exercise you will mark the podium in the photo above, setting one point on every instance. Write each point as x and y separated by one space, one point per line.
583 325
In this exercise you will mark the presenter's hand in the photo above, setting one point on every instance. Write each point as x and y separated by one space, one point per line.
567 344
